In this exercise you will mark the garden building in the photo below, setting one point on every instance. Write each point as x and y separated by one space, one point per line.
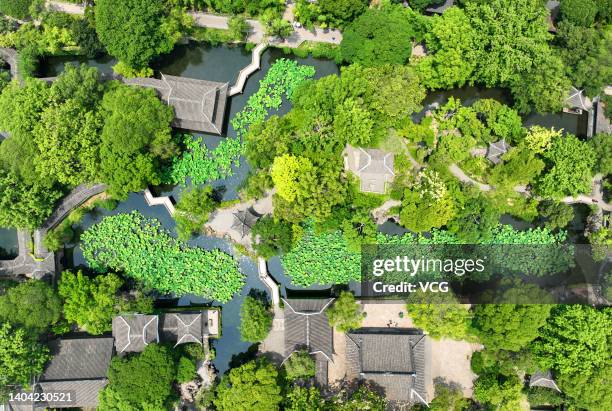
543 379
576 102
77 371
373 167
439 6
307 328
134 332
496 150
244 221
392 359
199 105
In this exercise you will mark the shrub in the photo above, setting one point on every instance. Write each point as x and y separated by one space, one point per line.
19 9
186 370
345 314
300 365
255 320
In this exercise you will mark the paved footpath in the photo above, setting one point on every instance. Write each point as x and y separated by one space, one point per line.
214 21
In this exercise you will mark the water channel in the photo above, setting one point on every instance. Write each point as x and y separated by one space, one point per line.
223 64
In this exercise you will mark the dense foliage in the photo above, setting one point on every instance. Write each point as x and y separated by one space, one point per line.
192 211
273 237
345 314
300 365
32 305
255 320
252 386
21 358
141 381
144 251
135 31
19 9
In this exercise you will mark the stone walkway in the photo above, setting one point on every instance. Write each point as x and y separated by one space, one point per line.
595 199
244 74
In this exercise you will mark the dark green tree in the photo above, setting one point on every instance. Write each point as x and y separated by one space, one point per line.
343 11
135 137
135 31
579 12
345 315
250 387
21 359
602 145
509 326
141 381
274 237
186 370
193 210
502 392
555 215
33 305
255 320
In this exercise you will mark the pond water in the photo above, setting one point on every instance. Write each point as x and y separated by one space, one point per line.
9 246
217 64
570 123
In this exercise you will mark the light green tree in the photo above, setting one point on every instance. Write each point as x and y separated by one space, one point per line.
345 314
300 365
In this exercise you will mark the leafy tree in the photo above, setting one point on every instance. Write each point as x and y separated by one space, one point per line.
555 215
448 398
141 381
81 84
520 166
302 398
193 210
135 137
23 205
544 396
353 123
363 398
287 172
250 387
539 139
135 31
345 315
509 326
579 12
32 305
602 145
452 58
588 391
300 365
575 340
255 320
502 392
21 359
276 26
343 11
475 219
90 303
186 370
379 36
19 9
441 320
84 33
569 162
238 27
274 237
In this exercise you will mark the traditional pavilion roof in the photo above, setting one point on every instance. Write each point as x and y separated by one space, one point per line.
394 360
440 8
577 100
77 365
184 327
244 220
199 105
375 168
543 379
496 150
307 327
134 332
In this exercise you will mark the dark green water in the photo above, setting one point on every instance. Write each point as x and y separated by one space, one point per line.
9 247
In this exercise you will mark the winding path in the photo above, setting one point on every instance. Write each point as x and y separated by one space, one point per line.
595 199
244 74
256 33
269 282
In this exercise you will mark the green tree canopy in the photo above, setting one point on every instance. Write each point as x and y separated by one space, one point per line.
575 340
379 36
255 320
21 359
135 31
602 145
19 9
193 210
502 392
579 12
33 305
441 320
90 302
135 137
300 365
509 326
141 381
250 387
345 314
275 237
301 398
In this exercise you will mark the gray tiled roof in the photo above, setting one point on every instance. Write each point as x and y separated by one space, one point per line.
374 167
306 326
199 105
577 100
440 8
496 150
78 359
184 328
393 360
134 332
85 392
543 379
